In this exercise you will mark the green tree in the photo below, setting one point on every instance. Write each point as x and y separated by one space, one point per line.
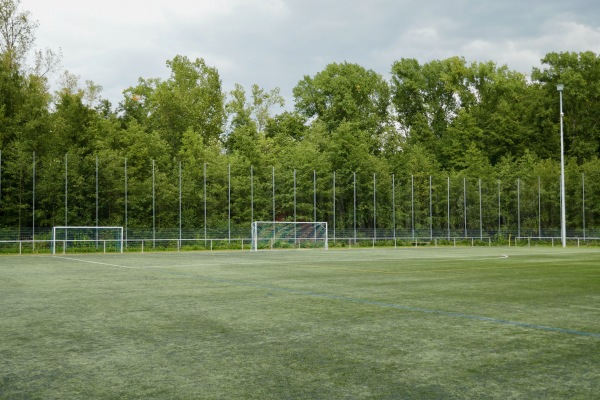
346 93
428 97
580 74
17 32
498 108
191 98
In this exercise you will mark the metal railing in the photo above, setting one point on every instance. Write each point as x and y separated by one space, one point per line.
144 245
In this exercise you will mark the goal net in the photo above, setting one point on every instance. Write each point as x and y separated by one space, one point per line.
274 234
87 239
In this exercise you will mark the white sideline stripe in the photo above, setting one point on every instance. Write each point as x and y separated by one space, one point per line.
96 262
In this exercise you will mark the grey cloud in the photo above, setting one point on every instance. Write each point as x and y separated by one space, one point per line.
276 43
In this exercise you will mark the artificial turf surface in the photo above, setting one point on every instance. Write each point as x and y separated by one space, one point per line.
428 323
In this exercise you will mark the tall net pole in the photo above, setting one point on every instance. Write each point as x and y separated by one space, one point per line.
97 222
465 205
0 178
518 207
448 201
251 193
273 187
539 207
125 173
499 210
315 199
333 207
66 200
412 205
563 219
153 207
180 214
480 213
430 210
315 195
374 208
354 210
394 207
229 202
294 195
583 202
33 205
205 221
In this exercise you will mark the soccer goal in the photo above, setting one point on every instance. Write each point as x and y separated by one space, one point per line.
275 234
87 238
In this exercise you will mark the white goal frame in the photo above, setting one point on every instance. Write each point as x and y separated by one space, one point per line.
94 229
303 232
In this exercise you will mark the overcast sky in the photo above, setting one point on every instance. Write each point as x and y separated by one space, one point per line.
276 42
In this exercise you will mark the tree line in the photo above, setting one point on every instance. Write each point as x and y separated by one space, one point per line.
483 132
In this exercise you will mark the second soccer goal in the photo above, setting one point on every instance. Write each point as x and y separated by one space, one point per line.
277 234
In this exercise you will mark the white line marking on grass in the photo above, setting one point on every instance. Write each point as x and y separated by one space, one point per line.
96 262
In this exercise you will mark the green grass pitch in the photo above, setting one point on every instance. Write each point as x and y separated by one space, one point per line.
427 323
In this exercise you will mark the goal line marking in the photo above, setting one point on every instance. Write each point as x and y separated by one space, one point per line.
95 262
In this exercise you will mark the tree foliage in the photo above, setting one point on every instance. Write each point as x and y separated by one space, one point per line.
443 126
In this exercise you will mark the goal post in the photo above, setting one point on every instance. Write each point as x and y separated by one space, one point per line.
88 238
279 234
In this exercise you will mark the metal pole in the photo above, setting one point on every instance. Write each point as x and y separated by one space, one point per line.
205 203
334 207
153 208
354 207
66 192
430 211
125 203
229 202
563 219
180 195
539 207
518 207
448 198
251 194
315 197
465 204
33 206
412 205
394 206
295 239
66 203
273 184
374 207
97 222
315 203
499 210
583 202
480 213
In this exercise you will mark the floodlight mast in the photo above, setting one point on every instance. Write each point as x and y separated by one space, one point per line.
563 223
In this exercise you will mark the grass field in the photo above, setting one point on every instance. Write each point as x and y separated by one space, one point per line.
429 323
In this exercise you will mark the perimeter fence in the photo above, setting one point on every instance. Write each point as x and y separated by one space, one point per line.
40 241
208 206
